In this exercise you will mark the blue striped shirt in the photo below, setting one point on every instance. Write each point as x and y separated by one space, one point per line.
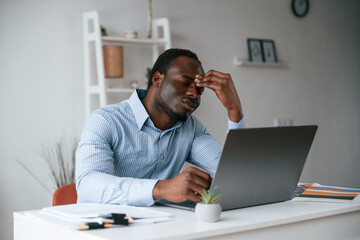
122 155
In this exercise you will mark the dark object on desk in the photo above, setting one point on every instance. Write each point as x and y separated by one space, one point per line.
260 165
90 226
119 218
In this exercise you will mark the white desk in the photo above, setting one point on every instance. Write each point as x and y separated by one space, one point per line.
286 220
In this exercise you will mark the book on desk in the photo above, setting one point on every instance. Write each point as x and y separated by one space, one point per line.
314 192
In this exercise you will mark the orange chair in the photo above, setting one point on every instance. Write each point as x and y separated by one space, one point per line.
65 195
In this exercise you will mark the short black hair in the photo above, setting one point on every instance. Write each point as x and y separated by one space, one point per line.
164 61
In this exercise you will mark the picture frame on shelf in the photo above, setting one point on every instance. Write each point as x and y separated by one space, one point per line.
255 50
269 51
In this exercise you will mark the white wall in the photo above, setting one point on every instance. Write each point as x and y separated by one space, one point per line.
41 78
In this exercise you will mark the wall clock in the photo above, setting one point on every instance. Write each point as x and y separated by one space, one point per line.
300 7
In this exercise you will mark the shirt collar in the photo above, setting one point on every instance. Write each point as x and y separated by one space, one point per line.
140 113
137 107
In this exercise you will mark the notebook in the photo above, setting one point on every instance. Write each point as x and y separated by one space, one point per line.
259 166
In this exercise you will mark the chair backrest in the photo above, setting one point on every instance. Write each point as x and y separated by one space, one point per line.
65 195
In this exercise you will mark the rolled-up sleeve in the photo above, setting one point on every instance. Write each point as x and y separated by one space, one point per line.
234 125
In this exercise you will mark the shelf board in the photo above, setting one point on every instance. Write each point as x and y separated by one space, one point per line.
119 40
120 90
246 63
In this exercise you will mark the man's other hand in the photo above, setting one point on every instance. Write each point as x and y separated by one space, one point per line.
184 186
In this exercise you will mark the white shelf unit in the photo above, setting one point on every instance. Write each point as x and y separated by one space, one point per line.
92 35
246 63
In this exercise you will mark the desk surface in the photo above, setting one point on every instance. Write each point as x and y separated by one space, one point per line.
280 219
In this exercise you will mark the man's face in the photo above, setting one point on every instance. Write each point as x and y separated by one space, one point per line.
178 95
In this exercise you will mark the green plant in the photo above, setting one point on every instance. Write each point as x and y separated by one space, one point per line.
147 73
60 159
209 196
61 163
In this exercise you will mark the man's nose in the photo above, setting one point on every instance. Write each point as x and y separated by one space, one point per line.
193 91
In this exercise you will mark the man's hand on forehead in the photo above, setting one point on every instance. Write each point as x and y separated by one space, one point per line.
224 88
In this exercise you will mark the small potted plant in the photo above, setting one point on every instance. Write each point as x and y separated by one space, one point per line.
208 209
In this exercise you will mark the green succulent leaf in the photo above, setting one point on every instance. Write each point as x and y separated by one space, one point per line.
209 196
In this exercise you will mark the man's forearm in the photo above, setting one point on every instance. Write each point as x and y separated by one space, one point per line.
235 115
100 187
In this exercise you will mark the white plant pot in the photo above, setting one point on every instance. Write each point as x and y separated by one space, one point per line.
207 212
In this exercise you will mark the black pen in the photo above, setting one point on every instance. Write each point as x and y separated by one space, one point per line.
90 226
117 218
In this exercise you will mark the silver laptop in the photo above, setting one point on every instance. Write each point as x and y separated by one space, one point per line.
259 166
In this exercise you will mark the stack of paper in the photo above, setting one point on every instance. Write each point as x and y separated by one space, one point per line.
321 193
74 214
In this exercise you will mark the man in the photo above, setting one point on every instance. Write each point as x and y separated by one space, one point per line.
132 152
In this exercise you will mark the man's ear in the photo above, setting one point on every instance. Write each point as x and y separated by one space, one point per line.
158 78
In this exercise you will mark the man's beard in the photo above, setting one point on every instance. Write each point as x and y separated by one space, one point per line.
182 117
177 116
